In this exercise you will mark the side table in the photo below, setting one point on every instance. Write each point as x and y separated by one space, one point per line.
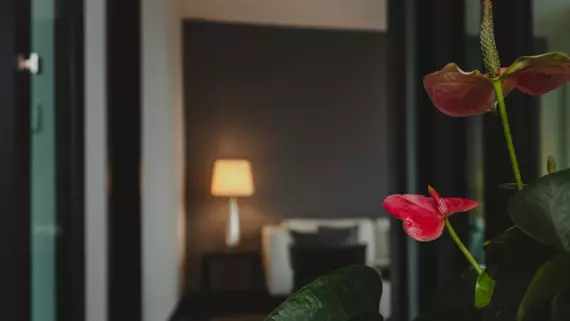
232 271
232 288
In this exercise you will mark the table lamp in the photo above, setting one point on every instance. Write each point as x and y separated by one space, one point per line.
232 178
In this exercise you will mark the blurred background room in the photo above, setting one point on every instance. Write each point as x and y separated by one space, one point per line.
181 160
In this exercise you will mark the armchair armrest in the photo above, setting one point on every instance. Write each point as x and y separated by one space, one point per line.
276 261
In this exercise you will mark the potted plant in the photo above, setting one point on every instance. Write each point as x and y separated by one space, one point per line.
528 270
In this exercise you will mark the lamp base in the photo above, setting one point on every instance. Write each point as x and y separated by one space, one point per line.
232 225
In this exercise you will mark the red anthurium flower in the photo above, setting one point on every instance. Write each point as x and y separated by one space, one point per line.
424 216
459 93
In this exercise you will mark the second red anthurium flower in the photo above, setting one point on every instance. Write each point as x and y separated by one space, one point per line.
460 93
424 217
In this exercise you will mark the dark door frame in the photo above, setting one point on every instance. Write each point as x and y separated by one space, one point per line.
69 63
400 34
14 162
15 218
123 83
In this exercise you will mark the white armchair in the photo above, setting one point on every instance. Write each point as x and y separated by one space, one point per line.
276 241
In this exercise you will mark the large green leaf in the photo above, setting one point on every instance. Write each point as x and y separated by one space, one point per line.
454 301
552 278
513 259
560 306
542 210
349 293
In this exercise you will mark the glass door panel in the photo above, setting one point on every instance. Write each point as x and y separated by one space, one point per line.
43 170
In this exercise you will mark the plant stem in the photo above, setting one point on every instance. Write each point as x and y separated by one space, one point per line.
462 247
498 85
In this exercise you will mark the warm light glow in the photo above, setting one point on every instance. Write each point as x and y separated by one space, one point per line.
232 177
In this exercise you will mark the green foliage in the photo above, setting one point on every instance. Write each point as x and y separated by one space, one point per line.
542 210
513 259
454 301
560 306
552 278
349 294
512 234
511 186
484 289
529 263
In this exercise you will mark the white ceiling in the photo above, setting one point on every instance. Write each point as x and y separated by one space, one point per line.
550 15
337 14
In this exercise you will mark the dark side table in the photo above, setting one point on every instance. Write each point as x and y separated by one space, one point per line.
232 271
232 288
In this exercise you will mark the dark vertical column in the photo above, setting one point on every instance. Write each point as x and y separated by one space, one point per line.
428 148
514 35
441 140
69 62
398 33
14 162
124 152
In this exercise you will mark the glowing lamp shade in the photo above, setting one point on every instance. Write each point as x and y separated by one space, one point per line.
232 178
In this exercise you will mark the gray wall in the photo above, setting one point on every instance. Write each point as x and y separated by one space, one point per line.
162 156
307 107
95 162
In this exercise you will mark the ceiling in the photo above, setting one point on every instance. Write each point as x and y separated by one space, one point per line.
337 14
550 16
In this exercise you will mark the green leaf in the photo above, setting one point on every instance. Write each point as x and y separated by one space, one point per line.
340 296
512 234
542 210
484 289
512 186
560 306
454 301
512 261
552 278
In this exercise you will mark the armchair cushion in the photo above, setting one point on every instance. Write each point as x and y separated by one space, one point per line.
326 237
310 263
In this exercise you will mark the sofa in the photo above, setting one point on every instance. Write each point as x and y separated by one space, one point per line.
277 242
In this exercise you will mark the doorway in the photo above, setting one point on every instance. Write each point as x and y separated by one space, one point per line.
41 160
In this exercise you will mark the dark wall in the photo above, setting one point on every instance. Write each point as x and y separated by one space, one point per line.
306 107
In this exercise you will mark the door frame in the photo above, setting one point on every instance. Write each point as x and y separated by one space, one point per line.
124 138
15 144
69 97
14 162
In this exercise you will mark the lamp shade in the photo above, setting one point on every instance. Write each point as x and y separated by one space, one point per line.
232 178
